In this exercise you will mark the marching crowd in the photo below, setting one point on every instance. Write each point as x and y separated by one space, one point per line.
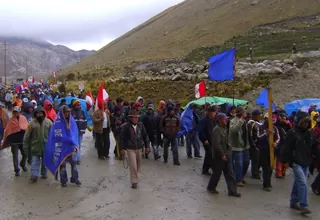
230 140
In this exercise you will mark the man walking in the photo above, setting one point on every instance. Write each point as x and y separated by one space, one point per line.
35 140
222 159
298 154
133 138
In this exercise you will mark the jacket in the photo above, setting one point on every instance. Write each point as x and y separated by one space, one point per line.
81 120
170 126
282 129
98 119
253 127
299 147
133 139
26 112
219 142
151 123
238 135
263 137
116 122
36 136
206 127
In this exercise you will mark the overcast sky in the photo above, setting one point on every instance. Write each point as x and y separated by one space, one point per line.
78 24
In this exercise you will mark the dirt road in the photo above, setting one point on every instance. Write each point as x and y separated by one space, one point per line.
165 192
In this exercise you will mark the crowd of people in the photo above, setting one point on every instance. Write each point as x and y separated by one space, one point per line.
230 139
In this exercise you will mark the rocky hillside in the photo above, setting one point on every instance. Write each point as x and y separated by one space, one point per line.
36 57
193 25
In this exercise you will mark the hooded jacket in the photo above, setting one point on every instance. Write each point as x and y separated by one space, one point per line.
26 113
36 136
50 114
81 120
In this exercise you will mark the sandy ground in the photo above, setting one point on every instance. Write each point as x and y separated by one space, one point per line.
165 192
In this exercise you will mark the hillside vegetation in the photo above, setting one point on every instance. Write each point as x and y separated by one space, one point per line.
196 24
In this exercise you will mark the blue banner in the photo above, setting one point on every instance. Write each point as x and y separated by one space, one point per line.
63 141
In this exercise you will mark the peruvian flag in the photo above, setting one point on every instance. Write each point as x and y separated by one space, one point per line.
31 79
101 97
200 90
89 101
53 74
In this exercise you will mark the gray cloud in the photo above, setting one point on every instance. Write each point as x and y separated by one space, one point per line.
69 22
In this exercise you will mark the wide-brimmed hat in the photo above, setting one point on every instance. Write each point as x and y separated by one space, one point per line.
134 114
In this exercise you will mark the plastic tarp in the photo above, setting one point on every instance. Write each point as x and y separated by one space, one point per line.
83 107
218 101
302 105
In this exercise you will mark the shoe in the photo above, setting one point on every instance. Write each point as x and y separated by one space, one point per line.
305 211
240 184
257 177
165 161
101 158
157 157
177 163
33 179
44 177
190 157
17 173
146 156
64 185
78 162
243 182
214 191
107 157
77 182
279 177
295 207
198 156
134 185
232 194
206 173
267 189
25 169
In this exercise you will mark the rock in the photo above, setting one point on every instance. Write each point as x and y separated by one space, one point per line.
178 70
290 70
176 77
288 61
203 76
199 68
162 72
189 70
166 78
255 2
189 78
242 73
262 65
266 62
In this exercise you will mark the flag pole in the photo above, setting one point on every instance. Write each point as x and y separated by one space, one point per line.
234 68
270 124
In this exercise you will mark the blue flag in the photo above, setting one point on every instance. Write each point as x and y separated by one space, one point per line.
186 121
62 142
262 100
222 66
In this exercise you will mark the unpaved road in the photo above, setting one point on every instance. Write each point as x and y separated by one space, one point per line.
165 192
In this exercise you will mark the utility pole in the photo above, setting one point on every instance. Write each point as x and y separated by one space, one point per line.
5 63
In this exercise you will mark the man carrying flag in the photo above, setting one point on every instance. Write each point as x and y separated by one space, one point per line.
62 144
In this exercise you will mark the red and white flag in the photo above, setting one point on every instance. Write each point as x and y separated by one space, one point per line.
53 74
31 79
89 101
101 97
200 90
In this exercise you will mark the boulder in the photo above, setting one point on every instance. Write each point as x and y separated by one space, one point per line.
176 77
288 61
199 68
203 76
162 72
290 70
178 70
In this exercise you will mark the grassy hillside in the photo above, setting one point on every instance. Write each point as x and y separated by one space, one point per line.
195 24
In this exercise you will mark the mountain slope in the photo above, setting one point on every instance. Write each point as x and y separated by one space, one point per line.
194 24
37 56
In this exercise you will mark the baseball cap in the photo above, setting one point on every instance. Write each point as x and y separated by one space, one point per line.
16 109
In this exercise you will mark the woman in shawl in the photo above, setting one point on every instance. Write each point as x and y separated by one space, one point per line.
50 112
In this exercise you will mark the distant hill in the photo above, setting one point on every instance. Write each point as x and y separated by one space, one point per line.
36 57
193 25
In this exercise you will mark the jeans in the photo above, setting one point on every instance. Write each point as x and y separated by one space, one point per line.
181 141
316 183
240 163
154 143
299 192
74 171
35 165
254 155
192 138
15 157
78 154
264 161
174 149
